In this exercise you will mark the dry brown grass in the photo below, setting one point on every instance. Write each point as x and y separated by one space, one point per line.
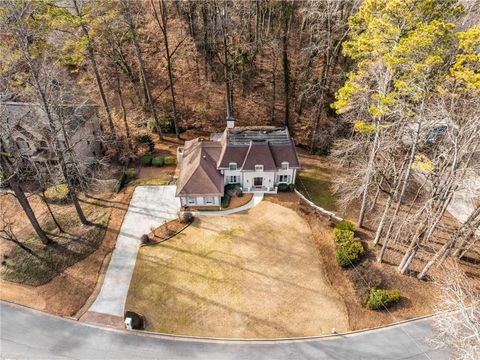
255 274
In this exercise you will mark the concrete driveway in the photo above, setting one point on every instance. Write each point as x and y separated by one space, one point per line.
150 207
30 334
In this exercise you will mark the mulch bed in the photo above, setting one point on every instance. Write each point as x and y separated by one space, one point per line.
166 230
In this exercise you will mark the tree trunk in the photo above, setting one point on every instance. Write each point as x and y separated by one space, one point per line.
285 61
122 105
368 176
228 90
22 199
382 221
98 80
163 27
138 53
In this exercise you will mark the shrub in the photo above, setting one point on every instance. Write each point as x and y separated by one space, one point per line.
57 194
157 161
282 187
169 160
146 160
225 201
381 298
130 175
340 236
167 124
348 253
146 139
345 225
291 187
187 218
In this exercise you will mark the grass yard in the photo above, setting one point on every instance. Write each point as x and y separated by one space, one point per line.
40 263
314 182
251 275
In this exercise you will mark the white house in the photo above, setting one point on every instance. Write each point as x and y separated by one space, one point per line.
257 158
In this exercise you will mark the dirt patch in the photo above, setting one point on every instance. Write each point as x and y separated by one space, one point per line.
243 275
418 297
152 172
66 293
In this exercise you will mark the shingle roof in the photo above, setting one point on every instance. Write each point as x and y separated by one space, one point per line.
198 173
237 143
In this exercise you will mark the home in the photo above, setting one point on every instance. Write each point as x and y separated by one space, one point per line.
27 126
256 158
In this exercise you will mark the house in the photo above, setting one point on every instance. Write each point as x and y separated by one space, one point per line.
256 158
27 125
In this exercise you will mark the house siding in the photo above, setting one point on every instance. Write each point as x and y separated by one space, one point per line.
200 201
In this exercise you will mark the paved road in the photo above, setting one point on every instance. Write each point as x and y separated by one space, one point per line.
30 334
150 207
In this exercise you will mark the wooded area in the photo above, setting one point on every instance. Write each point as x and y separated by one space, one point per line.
387 88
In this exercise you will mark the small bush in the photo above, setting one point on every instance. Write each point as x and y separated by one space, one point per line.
57 194
291 187
282 187
380 298
340 236
130 175
146 139
345 225
157 161
146 160
187 218
348 253
169 160
225 201
167 123
364 277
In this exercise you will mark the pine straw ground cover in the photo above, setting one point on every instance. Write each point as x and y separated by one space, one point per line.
39 264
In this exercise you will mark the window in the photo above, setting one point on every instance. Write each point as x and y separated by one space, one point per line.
208 200
191 200
283 178
258 167
232 166
233 179
285 165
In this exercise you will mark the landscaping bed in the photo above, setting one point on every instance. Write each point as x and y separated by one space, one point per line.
167 230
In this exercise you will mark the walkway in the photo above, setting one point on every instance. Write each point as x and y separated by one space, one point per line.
150 207
30 334
256 199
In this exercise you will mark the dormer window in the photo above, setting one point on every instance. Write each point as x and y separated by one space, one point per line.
285 165
258 167
232 166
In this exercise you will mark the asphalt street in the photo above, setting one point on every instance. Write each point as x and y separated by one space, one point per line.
30 334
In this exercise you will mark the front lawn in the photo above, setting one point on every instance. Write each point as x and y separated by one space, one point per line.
255 274
314 181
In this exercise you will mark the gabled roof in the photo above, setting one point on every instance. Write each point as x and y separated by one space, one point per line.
198 173
259 154
249 146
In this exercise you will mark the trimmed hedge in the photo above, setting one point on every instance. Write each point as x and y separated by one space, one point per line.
348 253
146 160
158 161
285 187
380 298
340 235
225 201
345 225
169 160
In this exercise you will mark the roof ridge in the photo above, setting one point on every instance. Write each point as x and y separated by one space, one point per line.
246 155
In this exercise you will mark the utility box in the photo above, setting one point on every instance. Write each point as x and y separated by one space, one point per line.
134 321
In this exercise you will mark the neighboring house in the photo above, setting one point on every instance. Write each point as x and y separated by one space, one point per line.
27 125
257 158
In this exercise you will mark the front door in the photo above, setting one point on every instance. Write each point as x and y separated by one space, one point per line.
257 181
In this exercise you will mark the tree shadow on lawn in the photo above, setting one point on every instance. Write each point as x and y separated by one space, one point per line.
233 265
